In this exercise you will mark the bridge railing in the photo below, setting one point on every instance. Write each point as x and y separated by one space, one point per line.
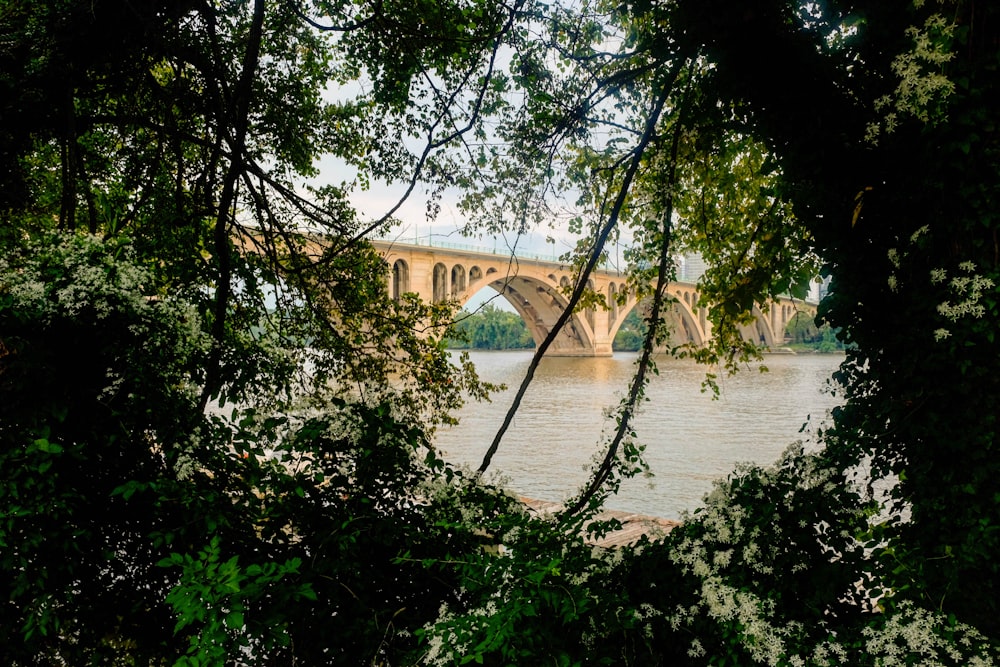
496 250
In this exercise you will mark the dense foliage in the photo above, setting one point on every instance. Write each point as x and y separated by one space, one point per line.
490 328
802 333
216 426
631 334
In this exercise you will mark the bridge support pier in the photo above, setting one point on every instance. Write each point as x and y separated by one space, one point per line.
602 334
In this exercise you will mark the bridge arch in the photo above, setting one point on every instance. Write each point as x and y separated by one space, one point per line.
540 303
685 324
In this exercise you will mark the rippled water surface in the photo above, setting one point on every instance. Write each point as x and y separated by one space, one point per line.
690 439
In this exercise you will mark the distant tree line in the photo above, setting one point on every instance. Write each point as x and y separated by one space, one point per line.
490 328
631 333
802 332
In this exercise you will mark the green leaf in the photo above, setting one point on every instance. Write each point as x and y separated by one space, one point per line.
234 620
44 445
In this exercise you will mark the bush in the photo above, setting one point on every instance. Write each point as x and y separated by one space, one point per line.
141 529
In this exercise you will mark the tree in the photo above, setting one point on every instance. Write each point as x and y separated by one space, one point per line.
490 328
870 121
240 469
877 174
142 529
867 133
155 370
193 137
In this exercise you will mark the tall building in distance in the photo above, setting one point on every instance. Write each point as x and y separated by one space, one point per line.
690 267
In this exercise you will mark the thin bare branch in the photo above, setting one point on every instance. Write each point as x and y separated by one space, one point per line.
637 388
581 285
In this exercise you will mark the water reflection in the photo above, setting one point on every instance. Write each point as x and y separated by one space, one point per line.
690 438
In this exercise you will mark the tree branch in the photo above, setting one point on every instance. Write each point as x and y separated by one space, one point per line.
240 102
637 154
637 388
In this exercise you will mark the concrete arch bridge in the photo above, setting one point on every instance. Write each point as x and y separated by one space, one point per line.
534 287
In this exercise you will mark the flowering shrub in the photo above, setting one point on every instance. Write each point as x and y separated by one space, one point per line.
770 572
139 527
98 397
771 561
922 86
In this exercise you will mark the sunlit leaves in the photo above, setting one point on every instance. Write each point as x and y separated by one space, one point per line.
730 213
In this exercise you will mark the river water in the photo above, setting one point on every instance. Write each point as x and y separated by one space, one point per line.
690 438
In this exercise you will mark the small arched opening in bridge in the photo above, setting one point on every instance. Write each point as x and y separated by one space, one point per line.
400 279
439 287
457 280
612 303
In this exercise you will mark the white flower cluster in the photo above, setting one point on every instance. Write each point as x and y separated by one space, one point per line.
84 285
967 287
941 334
827 654
922 85
896 259
92 283
969 291
918 86
443 642
920 232
911 631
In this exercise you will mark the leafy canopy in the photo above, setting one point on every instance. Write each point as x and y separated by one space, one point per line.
216 425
